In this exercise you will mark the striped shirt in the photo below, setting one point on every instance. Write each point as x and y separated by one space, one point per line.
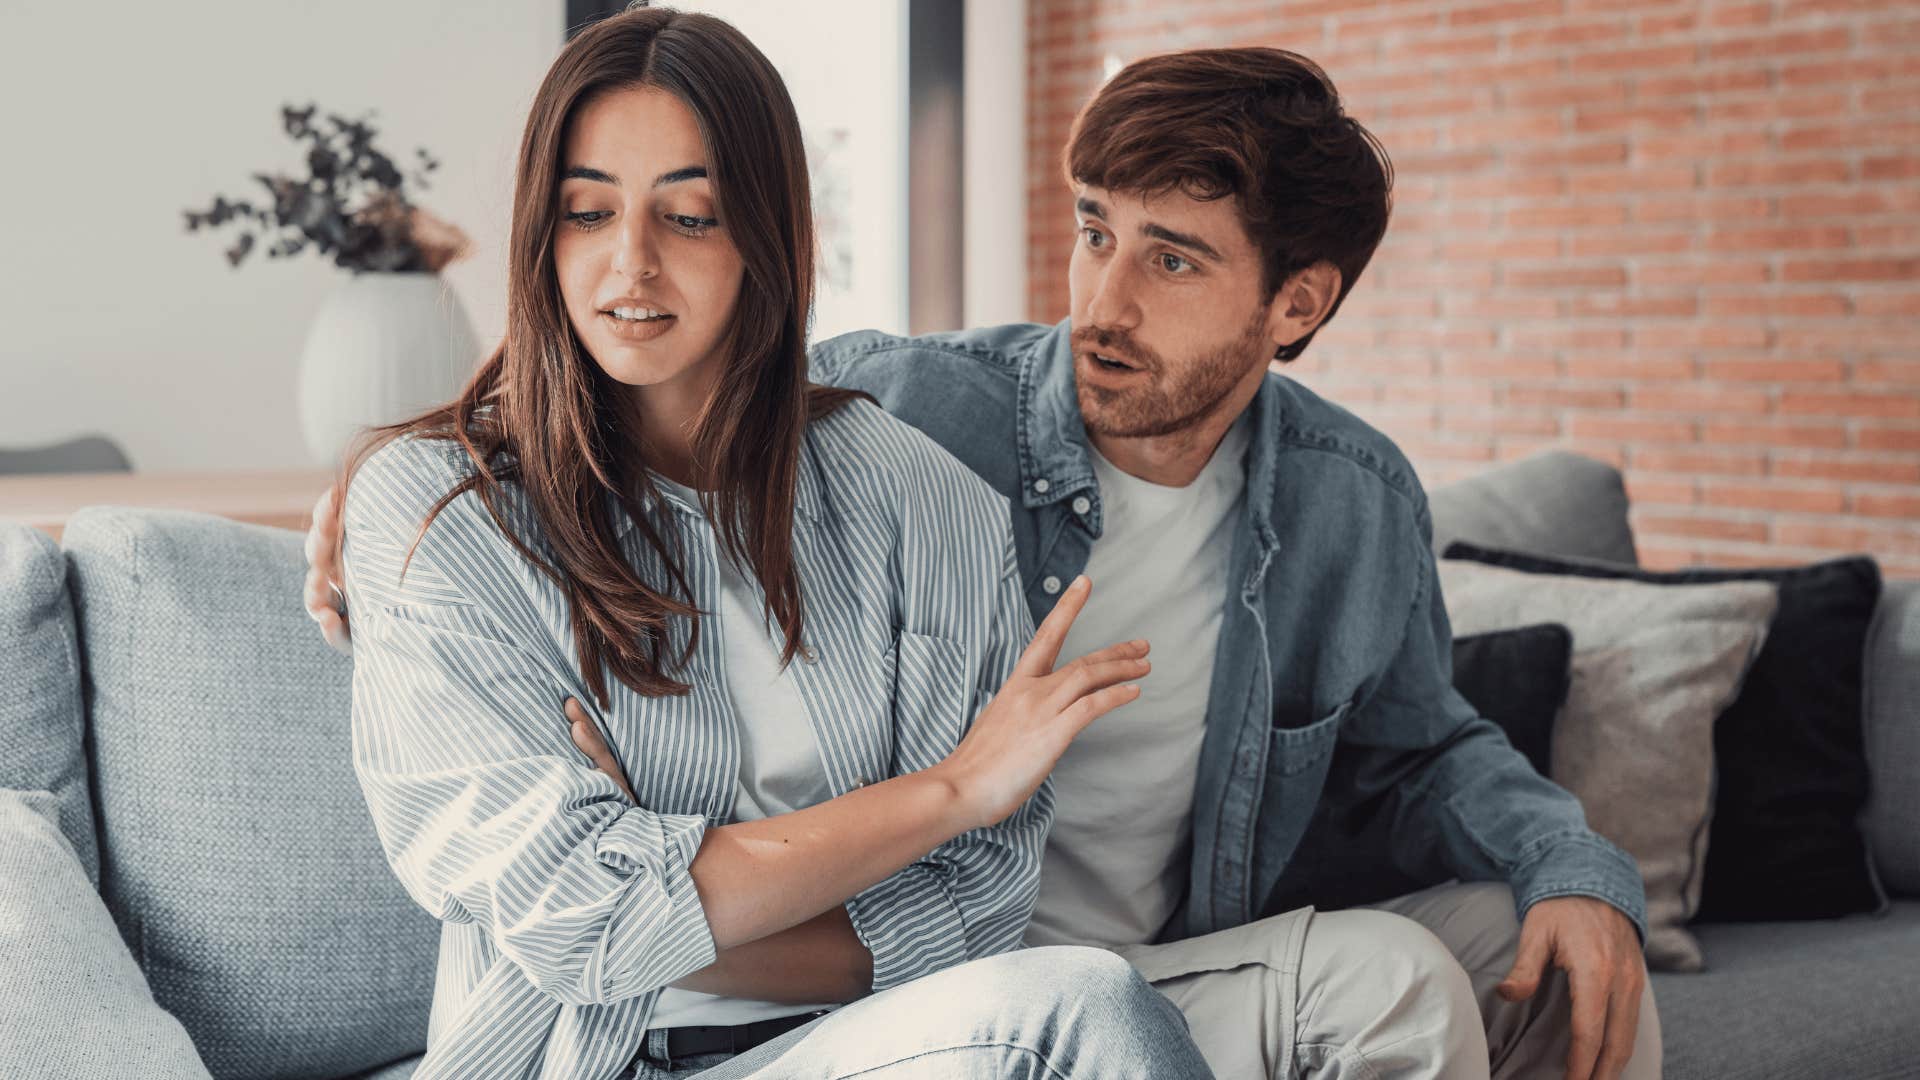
565 908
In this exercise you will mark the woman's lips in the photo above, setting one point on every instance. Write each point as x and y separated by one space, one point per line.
637 330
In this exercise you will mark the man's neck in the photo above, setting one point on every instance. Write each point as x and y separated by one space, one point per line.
1176 458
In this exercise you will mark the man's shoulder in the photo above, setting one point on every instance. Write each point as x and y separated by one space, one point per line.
1342 453
880 461
991 351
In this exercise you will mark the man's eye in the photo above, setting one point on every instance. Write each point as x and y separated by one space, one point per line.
1095 238
1174 264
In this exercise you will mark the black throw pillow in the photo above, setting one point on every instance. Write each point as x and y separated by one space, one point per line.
1789 753
1519 680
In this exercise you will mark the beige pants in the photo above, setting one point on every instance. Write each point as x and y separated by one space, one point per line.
1403 988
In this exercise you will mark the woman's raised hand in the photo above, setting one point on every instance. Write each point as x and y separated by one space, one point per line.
1015 741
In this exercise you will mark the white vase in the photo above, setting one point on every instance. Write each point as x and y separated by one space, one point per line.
383 347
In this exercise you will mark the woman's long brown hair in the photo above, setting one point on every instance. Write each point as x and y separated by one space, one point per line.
541 413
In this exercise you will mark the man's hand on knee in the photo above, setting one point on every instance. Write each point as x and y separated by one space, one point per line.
1599 950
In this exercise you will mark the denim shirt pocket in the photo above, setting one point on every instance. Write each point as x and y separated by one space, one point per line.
931 698
1297 762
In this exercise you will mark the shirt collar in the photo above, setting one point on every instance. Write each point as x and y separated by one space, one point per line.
1053 439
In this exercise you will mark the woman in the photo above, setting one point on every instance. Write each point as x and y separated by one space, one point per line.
640 483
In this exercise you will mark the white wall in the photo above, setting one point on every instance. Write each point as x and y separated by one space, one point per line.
121 114
996 162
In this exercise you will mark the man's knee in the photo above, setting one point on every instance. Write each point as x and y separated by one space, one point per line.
1378 952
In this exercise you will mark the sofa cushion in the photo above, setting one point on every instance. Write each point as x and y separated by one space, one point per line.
1790 768
41 722
1552 503
1797 1000
1652 667
1893 738
76 1003
237 854
1518 679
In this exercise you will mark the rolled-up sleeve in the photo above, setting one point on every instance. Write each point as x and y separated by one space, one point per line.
485 810
972 896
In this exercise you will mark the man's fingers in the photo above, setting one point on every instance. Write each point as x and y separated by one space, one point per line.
1623 1027
1044 649
1589 1022
1077 682
1529 963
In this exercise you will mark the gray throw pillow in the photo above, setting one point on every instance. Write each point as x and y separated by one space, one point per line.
1653 667
75 1003
41 721
238 856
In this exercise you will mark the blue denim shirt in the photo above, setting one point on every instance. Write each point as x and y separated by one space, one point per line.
1332 700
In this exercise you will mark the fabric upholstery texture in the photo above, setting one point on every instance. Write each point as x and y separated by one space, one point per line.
1653 666
238 857
1518 679
1893 738
75 1003
1553 503
41 719
1810 1000
1789 762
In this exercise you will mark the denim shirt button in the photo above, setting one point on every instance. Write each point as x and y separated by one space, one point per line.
1051 584
1041 486
1082 504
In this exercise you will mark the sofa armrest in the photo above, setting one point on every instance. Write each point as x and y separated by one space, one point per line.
1892 729
76 1003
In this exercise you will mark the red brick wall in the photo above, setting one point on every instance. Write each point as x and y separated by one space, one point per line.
1680 237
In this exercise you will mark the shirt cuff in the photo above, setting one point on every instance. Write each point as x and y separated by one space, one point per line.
1583 864
910 925
658 931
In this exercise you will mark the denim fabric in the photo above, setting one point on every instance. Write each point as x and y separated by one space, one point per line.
1332 689
1032 1014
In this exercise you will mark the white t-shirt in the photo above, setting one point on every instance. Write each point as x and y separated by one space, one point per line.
1116 861
780 769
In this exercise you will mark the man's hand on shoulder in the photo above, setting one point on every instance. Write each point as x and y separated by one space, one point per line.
1599 950
326 601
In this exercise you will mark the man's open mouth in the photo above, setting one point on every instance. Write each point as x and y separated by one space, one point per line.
1112 363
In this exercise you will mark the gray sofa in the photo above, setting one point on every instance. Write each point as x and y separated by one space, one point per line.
174 767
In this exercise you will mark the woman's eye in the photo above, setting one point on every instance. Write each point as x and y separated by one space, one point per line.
1174 264
587 219
692 226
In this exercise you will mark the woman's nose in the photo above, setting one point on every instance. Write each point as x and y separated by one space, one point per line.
636 256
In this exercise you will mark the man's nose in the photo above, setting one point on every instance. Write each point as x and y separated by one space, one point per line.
1112 304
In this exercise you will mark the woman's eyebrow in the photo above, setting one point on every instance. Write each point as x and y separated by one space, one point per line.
584 172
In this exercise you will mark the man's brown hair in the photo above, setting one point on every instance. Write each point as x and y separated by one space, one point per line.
1264 125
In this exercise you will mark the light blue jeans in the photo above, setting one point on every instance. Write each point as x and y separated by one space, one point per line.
1031 1014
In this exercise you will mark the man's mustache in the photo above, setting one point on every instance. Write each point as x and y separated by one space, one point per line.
1117 344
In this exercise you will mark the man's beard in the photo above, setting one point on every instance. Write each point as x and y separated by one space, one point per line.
1168 402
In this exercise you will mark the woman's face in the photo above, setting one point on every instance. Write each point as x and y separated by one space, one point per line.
647 272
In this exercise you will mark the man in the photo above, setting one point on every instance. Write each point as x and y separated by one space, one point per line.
1299 740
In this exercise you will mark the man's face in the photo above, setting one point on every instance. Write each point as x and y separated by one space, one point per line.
1169 316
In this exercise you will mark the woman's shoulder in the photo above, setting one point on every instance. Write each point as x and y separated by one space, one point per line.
881 460
398 487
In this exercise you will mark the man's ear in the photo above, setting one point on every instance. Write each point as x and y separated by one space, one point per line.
1303 303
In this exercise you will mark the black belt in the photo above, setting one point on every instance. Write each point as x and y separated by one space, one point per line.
696 1039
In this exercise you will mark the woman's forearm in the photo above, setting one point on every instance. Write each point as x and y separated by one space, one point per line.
757 878
820 960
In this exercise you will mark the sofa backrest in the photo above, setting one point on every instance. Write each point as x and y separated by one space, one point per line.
41 719
237 854
1565 505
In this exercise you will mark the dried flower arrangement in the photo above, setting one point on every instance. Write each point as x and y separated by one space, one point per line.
353 206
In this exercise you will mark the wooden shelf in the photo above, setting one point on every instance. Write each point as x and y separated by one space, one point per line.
282 499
